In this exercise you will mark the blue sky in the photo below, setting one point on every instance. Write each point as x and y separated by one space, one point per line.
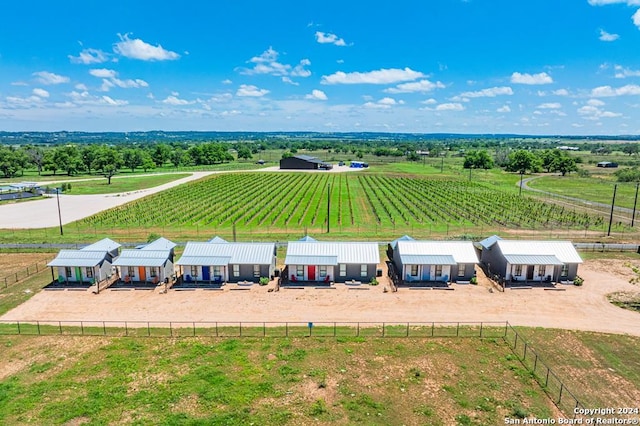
466 66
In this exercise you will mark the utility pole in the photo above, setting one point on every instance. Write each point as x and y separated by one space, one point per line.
59 214
635 202
521 174
613 202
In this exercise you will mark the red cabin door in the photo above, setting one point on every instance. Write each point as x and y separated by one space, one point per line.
311 272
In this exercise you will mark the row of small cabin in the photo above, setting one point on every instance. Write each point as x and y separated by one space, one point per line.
309 260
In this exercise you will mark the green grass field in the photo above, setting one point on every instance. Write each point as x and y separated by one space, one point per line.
122 184
592 189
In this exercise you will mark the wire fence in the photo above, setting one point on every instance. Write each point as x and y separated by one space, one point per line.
551 383
18 276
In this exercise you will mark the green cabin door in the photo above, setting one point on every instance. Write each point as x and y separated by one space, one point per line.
78 273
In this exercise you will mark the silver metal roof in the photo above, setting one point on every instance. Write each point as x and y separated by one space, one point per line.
394 243
427 259
311 260
105 244
142 258
204 260
217 239
532 259
159 244
460 251
563 250
344 252
83 258
237 253
488 242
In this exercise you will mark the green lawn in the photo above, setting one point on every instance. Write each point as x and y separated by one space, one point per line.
593 189
122 184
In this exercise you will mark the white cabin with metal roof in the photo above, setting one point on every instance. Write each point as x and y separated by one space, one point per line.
432 261
328 261
151 263
219 261
82 266
542 261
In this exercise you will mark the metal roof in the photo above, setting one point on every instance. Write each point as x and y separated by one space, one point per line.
311 260
105 244
142 258
308 239
427 259
563 250
204 260
217 239
488 242
309 158
159 244
237 253
532 259
84 258
394 243
461 251
345 252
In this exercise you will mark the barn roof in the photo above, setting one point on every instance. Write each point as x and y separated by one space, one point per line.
394 243
564 251
82 258
488 242
460 251
105 244
532 259
343 252
159 244
136 257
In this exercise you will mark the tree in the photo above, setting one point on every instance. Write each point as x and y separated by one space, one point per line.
67 158
132 158
161 154
12 161
547 157
245 153
36 156
563 163
629 174
147 161
48 162
478 160
631 149
88 155
523 161
178 157
108 160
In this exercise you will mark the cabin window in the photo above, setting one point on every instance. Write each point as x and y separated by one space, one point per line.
414 270
67 272
565 271
461 269
217 271
542 269
518 271
131 271
438 271
89 272
322 270
364 270
256 271
343 269
194 271
153 271
300 271
236 270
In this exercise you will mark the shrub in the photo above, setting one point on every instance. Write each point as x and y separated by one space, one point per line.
264 280
578 281
474 280
373 281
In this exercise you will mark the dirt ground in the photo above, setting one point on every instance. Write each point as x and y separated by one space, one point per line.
580 308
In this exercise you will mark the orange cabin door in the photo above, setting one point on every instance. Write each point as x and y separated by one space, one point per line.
142 273
311 271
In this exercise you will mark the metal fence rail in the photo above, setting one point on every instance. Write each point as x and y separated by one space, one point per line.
16 277
562 397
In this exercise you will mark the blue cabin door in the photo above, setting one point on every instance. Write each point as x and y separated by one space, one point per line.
206 273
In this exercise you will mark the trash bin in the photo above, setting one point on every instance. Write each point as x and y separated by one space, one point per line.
276 272
379 273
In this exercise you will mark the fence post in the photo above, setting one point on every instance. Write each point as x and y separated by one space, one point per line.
433 325
240 326
407 329
104 328
59 327
525 351
535 362
334 330
171 328
546 380
358 330
148 329
194 329
81 328
481 330
264 329
560 396
383 329
126 329
19 328
286 329
38 323
458 330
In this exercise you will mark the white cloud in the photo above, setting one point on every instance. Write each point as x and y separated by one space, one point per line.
487 93
300 70
287 79
636 18
622 72
605 36
608 91
227 81
250 91
504 108
387 101
592 112
606 2
103 73
46 77
40 92
317 95
549 105
114 102
80 86
561 92
532 79
381 76
429 101
267 63
89 56
85 98
595 102
450 107
421 86
19 102
174 100
324 38
138 49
